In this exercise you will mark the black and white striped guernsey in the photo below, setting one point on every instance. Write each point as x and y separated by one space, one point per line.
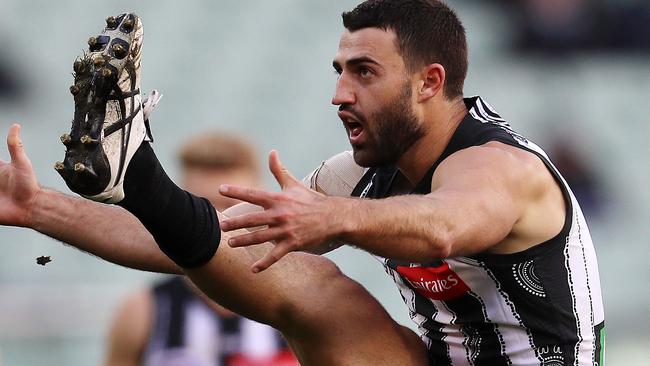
187 332
541 306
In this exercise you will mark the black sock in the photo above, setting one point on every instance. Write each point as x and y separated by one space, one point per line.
185 227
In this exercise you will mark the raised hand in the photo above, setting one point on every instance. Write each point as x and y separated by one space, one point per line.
296 219
18 184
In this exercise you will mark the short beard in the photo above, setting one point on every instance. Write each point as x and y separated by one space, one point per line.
395 129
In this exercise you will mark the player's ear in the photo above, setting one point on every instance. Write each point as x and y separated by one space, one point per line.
432 81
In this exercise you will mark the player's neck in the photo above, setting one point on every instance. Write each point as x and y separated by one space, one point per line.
440 123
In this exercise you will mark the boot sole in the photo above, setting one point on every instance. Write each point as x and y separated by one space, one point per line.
86 169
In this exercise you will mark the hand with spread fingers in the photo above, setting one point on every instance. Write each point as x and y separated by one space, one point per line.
295 219
18 184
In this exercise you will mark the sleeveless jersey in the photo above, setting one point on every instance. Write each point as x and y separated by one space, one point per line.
541 306
187 332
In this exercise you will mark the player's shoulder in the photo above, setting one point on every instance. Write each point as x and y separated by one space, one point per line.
503 162
513 156
493 153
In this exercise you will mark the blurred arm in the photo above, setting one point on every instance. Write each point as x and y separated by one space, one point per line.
130 331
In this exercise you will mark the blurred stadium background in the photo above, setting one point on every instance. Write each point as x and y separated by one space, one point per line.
572 75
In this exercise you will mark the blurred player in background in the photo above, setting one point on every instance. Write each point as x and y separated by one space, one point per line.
173 323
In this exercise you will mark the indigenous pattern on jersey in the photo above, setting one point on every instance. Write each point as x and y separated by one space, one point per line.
541 306
187 332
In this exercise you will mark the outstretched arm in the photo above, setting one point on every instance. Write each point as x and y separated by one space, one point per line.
130 330
480 197
109 232
84 224
90 226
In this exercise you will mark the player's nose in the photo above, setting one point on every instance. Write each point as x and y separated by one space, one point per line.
343 93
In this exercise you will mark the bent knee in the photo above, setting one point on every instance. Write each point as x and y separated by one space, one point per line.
320 290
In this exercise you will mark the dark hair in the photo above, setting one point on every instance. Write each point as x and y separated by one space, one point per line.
428 31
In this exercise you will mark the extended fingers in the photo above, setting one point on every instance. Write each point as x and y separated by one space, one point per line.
256 237
249 220
271 257
255 196
281 174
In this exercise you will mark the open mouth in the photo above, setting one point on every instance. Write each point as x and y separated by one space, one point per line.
352 125
355 129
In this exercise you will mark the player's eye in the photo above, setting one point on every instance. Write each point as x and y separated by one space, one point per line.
365 72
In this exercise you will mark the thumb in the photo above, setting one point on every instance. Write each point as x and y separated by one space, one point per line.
280 173
15 146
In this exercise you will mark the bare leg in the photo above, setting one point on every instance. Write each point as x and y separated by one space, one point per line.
327 318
